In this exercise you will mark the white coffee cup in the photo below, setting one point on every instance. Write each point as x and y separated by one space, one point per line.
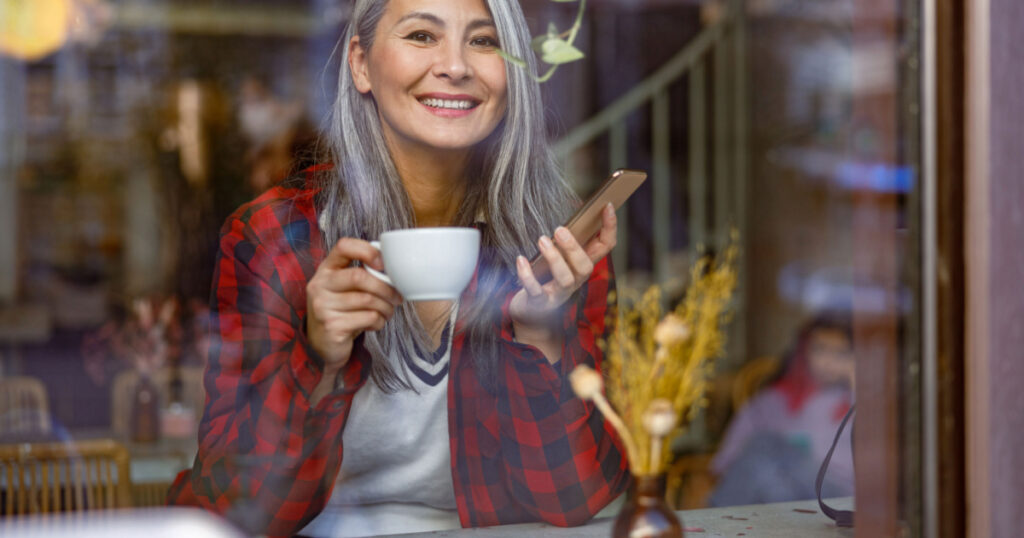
428 264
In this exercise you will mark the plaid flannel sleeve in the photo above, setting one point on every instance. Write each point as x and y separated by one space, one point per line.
267 458
563 462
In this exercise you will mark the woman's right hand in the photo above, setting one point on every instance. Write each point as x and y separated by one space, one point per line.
342 301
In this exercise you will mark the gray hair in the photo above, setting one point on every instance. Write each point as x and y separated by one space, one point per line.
513 179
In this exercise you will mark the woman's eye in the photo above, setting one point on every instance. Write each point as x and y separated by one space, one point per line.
484 41
422 37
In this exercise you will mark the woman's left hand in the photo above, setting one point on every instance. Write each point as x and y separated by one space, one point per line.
536 307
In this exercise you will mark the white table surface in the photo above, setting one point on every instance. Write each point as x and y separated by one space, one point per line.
781 520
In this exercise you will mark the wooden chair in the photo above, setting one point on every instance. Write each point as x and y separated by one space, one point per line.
150 494
751 378
24 407
122 394
64 477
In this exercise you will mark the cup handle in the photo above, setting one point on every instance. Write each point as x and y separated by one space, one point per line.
379 275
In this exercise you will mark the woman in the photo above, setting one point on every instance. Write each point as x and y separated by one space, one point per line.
774 447
335 408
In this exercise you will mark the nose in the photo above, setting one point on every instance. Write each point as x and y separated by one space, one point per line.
451 62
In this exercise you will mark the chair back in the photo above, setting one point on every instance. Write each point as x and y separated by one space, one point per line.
751 377
24 407
64 477
122 394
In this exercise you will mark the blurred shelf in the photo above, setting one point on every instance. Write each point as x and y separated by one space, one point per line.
228 20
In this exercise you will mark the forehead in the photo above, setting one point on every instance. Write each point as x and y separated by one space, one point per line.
447 11
829 337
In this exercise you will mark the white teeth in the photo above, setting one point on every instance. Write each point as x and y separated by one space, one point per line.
447 103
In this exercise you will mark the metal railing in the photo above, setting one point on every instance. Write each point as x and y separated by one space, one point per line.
716 167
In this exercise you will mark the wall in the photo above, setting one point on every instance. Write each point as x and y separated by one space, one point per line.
995 263
10 139
1006 268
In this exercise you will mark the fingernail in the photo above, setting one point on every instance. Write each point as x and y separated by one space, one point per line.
521 261
562 234
545 242
609 207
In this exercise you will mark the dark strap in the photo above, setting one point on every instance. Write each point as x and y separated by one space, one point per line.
843 518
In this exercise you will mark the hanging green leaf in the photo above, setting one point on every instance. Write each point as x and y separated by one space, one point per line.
538 42
558 51
554 47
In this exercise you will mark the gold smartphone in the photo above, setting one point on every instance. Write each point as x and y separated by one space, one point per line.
586 222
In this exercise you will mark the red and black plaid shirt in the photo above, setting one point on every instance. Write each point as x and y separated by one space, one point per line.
268 460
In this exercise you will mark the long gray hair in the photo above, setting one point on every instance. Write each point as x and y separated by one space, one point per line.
513 179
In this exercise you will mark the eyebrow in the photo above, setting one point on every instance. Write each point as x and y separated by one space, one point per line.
430 17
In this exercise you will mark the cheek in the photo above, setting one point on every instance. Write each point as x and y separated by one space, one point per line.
392 69
497 83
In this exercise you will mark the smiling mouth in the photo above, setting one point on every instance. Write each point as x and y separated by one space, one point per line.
449 104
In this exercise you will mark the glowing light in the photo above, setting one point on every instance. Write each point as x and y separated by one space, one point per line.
31 29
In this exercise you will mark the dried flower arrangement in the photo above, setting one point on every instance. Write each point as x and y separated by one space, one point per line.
149 334
658 365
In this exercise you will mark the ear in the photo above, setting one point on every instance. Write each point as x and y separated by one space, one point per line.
358 65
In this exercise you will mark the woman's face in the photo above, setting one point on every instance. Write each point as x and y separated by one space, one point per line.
434 72
831 359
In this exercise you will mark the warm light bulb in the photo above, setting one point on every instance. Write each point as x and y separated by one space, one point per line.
31 29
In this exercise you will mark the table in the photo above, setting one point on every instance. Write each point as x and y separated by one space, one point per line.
779 520
156 462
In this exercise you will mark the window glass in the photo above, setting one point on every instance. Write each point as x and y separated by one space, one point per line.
130 131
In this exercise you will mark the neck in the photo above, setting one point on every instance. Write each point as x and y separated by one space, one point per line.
435 182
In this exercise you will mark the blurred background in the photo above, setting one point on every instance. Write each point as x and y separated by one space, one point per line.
130 129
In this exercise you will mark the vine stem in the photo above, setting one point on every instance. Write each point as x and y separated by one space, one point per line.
577 23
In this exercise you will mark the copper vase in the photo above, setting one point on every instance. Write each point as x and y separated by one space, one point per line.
145 411
646 514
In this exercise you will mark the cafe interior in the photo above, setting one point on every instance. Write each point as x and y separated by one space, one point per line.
856 158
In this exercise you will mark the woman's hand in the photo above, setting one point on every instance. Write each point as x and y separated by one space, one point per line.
536 308
342 301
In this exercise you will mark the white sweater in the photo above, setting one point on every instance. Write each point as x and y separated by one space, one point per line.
396 468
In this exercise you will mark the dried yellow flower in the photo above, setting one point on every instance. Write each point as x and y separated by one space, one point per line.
671 330
586 382
660 418
658 363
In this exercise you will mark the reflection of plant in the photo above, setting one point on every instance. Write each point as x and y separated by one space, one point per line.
555 47
148 336
658 365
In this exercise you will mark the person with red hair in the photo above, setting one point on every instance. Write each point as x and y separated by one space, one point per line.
774 446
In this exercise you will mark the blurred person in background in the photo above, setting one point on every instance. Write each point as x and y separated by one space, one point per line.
281 140
773 448
335 408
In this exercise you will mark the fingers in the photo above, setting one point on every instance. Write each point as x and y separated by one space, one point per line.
560 271
358 279
340 328
348 249
328 304
527 278
578 259
604 241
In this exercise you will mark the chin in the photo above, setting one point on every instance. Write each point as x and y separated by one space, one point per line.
455 143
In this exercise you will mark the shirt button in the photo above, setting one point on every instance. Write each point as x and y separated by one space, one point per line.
338 405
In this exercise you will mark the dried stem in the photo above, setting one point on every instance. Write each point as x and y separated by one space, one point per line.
627 439
655 455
